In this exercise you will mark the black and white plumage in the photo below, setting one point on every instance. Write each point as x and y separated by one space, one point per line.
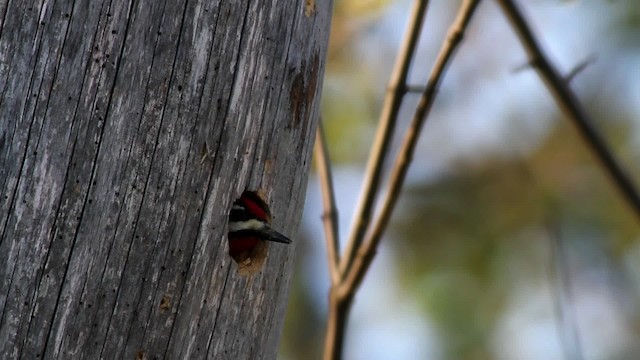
249 224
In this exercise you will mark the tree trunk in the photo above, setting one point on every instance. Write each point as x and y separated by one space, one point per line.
127 130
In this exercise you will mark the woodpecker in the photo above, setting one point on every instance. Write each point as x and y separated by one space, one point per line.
249 224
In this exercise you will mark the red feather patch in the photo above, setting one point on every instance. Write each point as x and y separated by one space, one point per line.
255 207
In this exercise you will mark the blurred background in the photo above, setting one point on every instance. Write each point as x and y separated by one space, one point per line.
508 241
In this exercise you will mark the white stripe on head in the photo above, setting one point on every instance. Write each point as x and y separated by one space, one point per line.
251 224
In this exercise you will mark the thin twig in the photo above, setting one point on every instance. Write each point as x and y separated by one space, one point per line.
403 160
386 128
330 214
579 68
572 74
571 106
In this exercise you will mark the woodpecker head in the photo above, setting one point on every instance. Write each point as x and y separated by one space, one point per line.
249 227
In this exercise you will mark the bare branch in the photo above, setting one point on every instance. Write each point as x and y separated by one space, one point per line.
386 128
403 160
571 106
330 214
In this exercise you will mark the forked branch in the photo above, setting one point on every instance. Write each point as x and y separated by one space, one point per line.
359 254
367 251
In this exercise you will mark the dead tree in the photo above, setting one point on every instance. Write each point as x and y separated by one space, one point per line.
127 130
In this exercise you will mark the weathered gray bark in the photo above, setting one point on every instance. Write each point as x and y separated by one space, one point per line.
113 239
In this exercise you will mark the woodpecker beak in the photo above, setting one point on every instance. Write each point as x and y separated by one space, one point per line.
272 235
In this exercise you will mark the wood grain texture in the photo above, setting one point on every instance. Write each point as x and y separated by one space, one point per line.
112 229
